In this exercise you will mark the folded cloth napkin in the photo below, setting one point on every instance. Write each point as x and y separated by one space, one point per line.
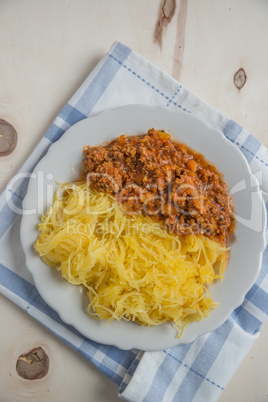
195 372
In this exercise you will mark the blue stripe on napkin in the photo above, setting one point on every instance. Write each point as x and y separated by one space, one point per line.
54 132
246 320
259 298
251 147
7 218
203 363
232 130
106 74
71 115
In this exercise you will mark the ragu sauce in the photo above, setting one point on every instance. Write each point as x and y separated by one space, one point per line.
164 179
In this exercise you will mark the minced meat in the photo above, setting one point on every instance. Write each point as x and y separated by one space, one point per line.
164 179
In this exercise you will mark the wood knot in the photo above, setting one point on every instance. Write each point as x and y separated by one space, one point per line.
33 365
166 13
8 138
240 78
168 9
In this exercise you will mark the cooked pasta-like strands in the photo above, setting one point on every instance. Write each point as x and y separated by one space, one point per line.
130 266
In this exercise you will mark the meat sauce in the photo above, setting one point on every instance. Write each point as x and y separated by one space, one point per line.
164 179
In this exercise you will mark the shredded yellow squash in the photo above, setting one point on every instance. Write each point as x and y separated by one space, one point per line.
130 266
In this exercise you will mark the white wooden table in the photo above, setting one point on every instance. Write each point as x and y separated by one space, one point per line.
47 48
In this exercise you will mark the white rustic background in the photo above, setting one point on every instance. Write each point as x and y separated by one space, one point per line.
47 48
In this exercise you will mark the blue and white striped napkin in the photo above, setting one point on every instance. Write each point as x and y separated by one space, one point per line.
195 372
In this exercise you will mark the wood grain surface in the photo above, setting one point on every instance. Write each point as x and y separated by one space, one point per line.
47 48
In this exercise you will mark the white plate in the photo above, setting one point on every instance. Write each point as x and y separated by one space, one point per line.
63 163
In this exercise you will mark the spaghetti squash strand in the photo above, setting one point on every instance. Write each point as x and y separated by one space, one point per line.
131 267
